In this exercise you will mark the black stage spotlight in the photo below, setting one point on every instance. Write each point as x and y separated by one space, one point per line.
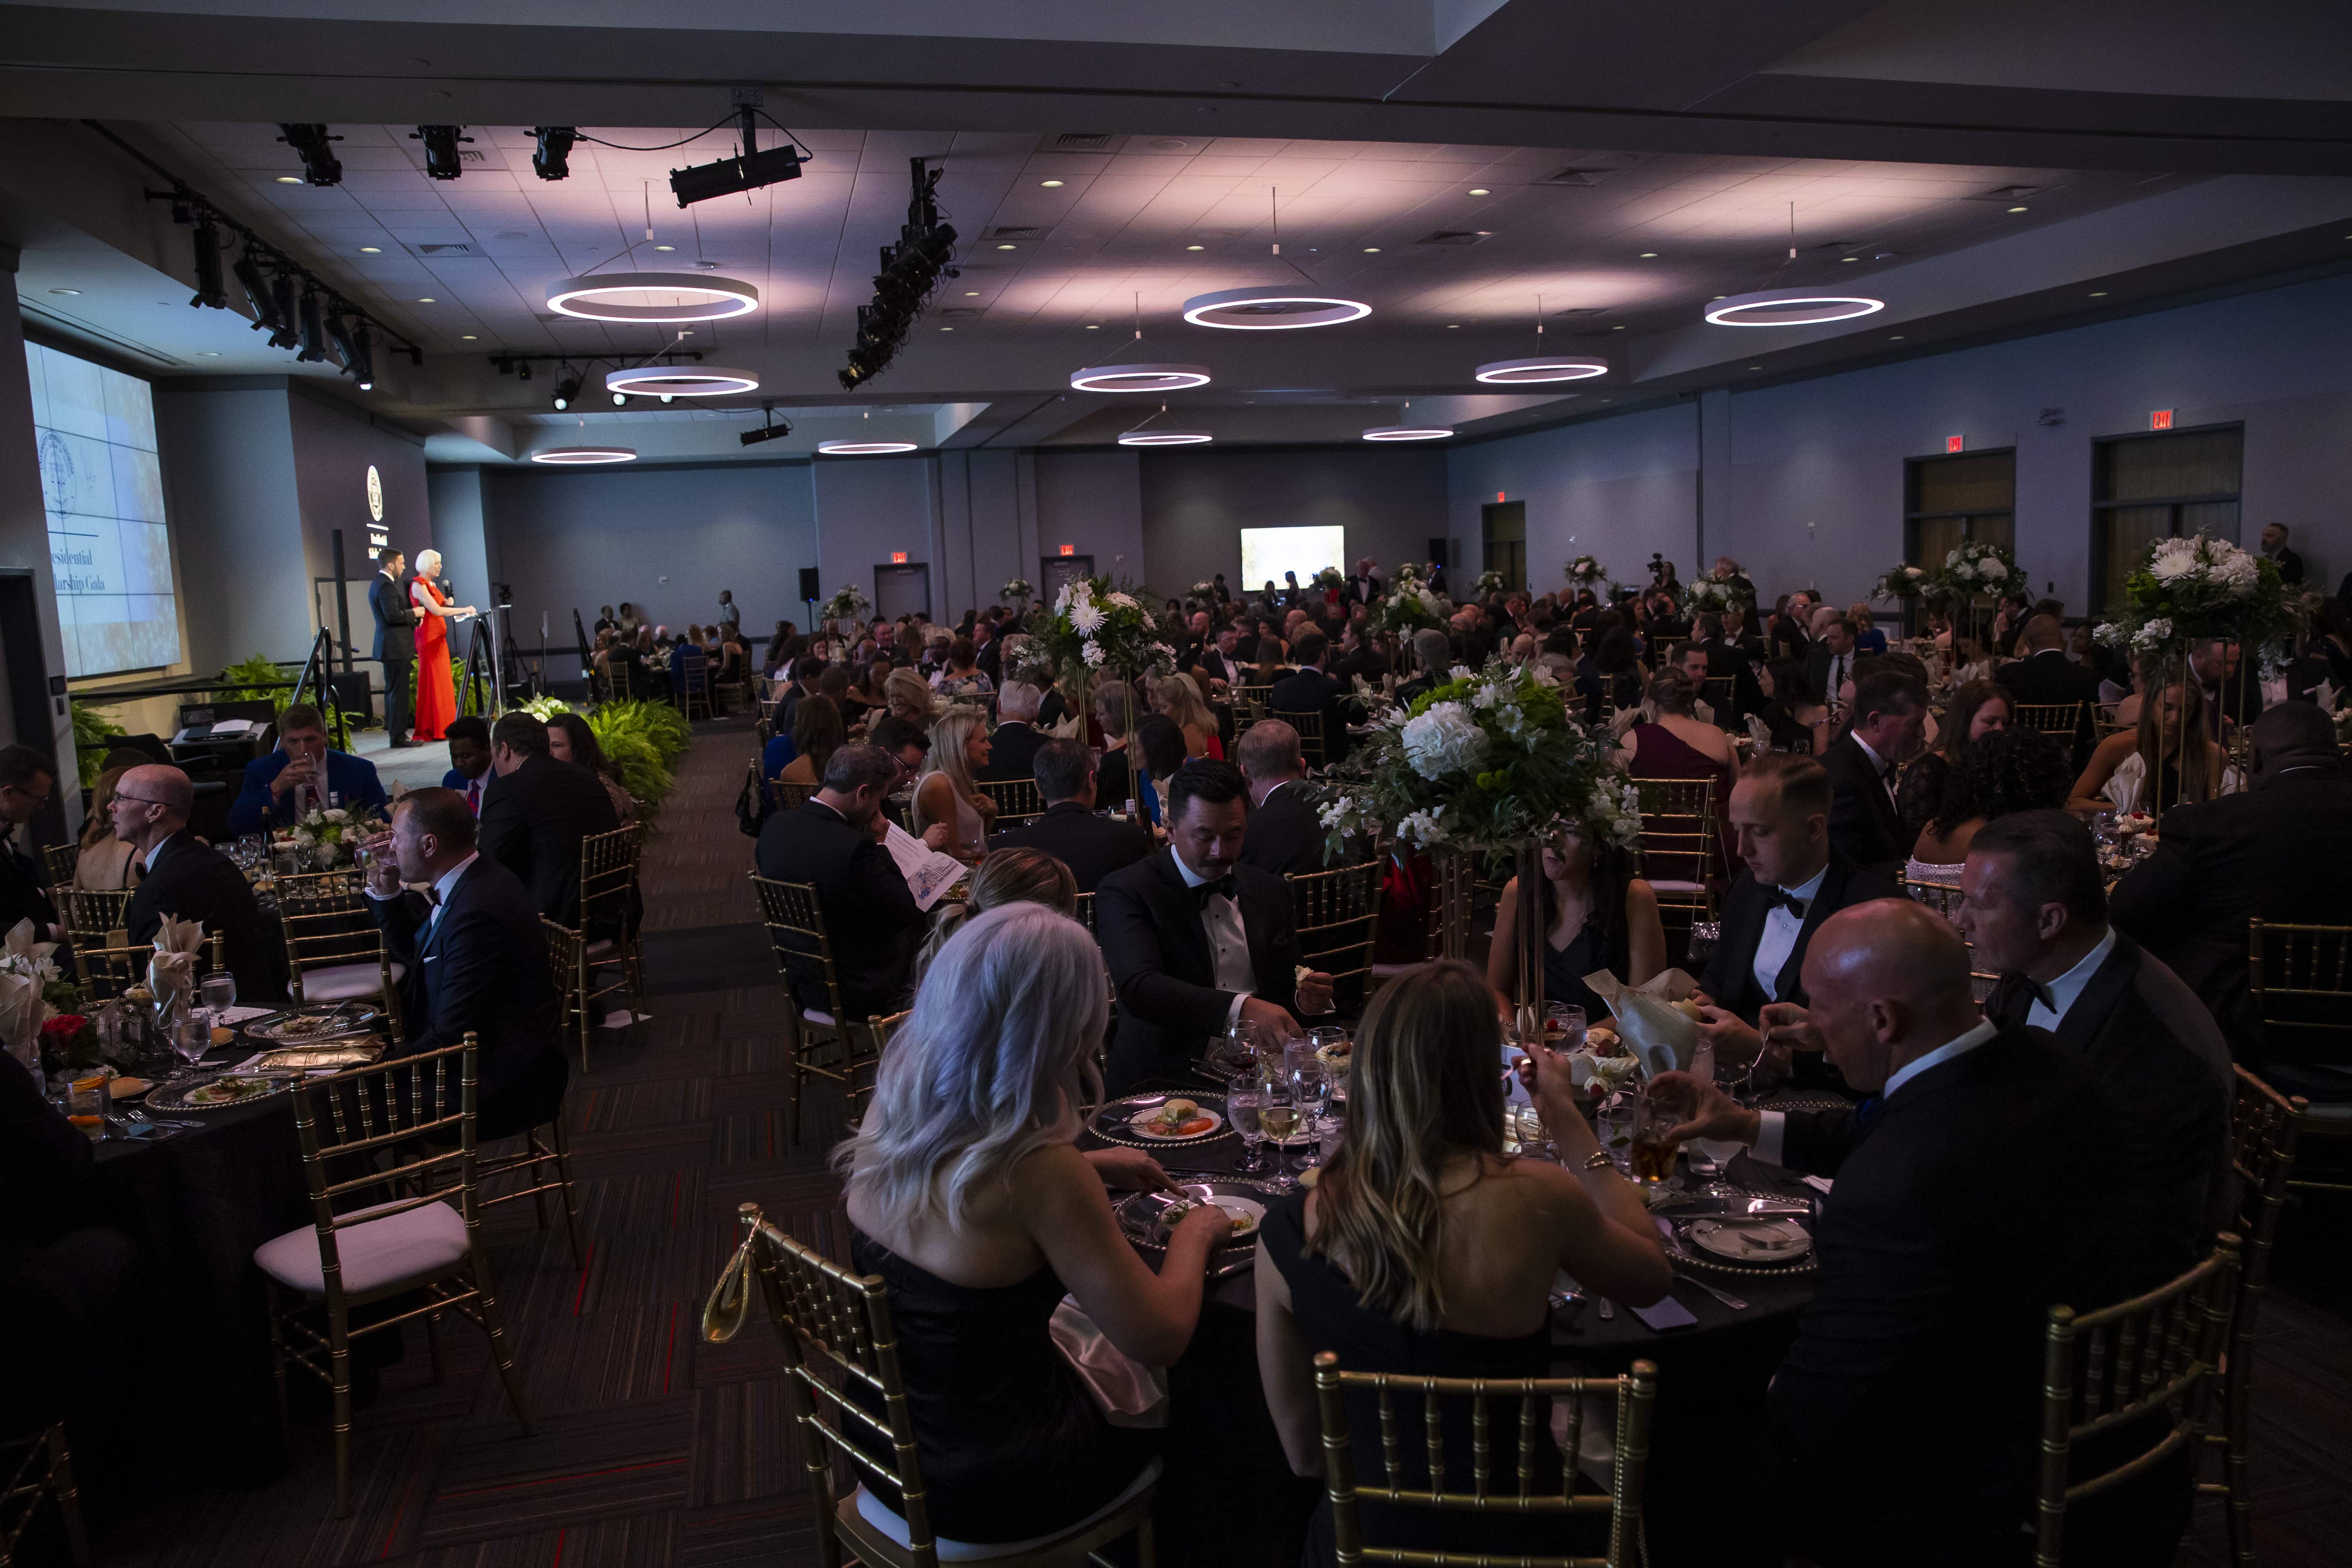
566 390
212 291
339 337
552 160
522 369
441 157
249 277
320 164
363 360
288 333
748 171
313 333
769 429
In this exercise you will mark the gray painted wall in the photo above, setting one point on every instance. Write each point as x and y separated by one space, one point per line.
24 526
235 502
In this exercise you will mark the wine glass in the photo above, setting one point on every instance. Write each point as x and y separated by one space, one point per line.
1241 1110
1277 1115
1566 1020
192 1038
219 992
1310 1089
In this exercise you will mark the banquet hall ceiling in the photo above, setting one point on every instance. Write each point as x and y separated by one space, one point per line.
1634 163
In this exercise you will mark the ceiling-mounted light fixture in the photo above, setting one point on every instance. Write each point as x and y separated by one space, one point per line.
1408 432
211 291
551 158
441 159
567 391
1274 308
583 454
1139 377
862 448
750 169
1140 437
1542 367
320 164
652 297
669 380
1790 307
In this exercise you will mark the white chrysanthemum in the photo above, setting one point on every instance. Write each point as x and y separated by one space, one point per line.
2171 565
1086 618
1444 739
1460 672
1123 600
1952 558
1091 652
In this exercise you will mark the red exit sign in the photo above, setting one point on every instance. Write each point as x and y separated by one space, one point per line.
2160 420
1069 550
897 558
1951 443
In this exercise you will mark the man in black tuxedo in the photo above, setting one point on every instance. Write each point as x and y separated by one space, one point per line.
1434 651
1196 942
1790 635
1365 585
1901 1422
2275 852
1830 661
1012 744
395 643
2034 906
190 880
2044 675
1793 880
1890 711
536 811
2274 545
1309 691
1358 656
1285 832
1092 847
26 781
835 841
476 960
1217 659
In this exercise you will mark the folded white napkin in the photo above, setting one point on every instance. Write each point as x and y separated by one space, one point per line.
1661 1036
1130 1393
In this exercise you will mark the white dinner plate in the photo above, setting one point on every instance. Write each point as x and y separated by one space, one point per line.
1753 1241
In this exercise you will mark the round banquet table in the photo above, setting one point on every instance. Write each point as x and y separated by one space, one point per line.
1228 1496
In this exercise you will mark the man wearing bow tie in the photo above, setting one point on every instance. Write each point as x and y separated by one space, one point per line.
1794 880
1196 942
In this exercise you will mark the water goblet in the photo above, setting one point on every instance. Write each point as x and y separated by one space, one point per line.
1241 1110
219 993
1310 1089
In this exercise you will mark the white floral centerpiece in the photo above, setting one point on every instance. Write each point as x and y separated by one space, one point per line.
1203 589
1708 595
1900 582
1490 582
1972 569
328 834
1484 760
1018 588
1407 572
1409 606
1093 627
2188 589
1330 580
849 605
1587 572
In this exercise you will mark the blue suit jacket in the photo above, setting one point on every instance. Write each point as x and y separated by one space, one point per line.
353 778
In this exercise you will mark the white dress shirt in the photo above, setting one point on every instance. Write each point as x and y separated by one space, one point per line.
1771 1133
1221 918
1885 769
1781 927
2069 985
443 886
159 848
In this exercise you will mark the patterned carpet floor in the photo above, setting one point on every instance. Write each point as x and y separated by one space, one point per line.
652 1449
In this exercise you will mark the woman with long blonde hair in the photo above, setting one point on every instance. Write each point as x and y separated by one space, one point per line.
967 1194
1178 696
945 793
1425 1249
909 697
2122 765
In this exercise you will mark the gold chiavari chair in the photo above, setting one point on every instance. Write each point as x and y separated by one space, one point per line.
1416 1471
44 1470
782 797
1310 732
2151 1359
2062 719
1250 705
1723 697
105 961
1338 914
334 950
607 931
398 1124
91 916
2301 980
2263 1124
1017 800
1085 912
834 1331
60 860
823 1046
1682 853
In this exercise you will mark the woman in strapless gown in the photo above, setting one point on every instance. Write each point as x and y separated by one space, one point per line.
971 1200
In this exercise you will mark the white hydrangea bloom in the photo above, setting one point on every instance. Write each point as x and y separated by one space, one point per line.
1091 652
1123 600
1444 739
1422 827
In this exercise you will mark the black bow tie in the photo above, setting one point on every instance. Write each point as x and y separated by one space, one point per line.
1776 899
1222 887
433 894
2012 998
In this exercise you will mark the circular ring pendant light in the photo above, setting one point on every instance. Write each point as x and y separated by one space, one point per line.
1139 378
1542 368
862 448
681 381
1790 308
1272 310
653 296
1408 433
1165 438
575 456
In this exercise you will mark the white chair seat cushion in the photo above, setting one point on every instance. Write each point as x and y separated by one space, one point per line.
603 947
1666 885
415 1244
342 981
817 1015
876 1513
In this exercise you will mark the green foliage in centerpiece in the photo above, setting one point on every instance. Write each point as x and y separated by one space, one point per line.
1408 607
1483 761
1093 624
2190 589
848 605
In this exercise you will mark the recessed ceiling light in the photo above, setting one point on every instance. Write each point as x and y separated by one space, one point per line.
1648 256
1372 250
290 179
1196 247
370 250
947 329
2016 209
1005 247
1618 328
1452 326
665 247
1756 367
1723 296
1092 327
2098 293
428 300
972 293
65 290
1050 185
1894 337
1480 191
1485 233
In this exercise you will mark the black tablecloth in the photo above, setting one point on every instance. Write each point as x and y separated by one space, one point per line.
1226 1463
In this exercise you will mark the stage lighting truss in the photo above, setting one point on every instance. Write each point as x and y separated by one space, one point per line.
911 270
320 164
654 297
584 456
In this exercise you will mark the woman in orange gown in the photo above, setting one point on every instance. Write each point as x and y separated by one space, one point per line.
436 697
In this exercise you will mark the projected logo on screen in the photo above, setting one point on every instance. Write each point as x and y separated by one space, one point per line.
94 430
1268 552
